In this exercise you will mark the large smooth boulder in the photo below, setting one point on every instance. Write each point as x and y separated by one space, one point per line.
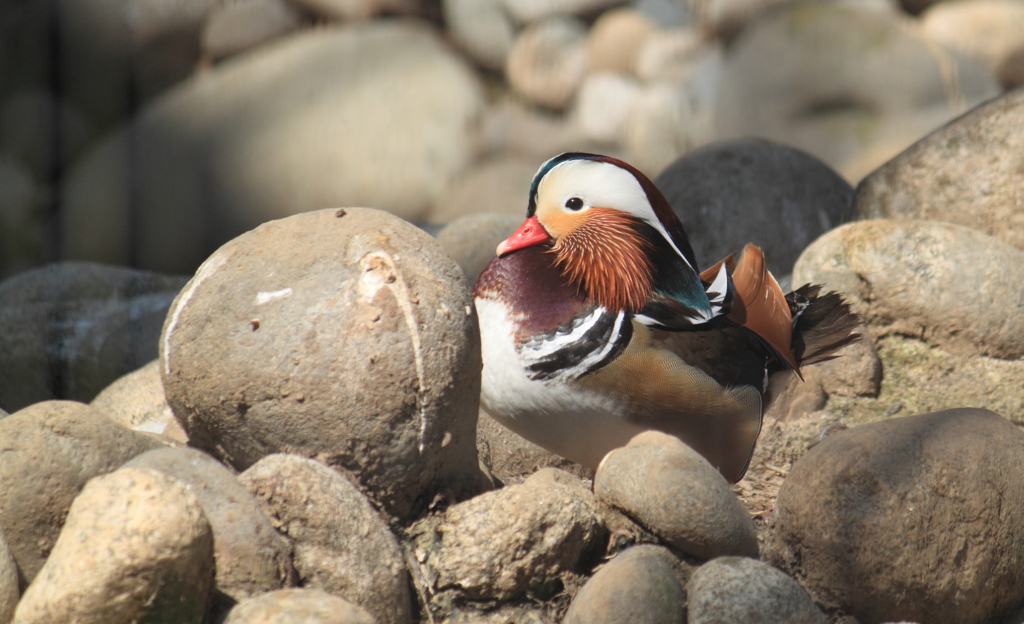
970 172
375 114
919 518
347 335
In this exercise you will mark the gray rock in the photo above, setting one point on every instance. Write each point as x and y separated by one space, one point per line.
137 401
341 543
72 328
511 458
496 187
21 229
50 450
750 190
642 585
354 10
737 590
946 284
669 55
670 489
527 11
970 172
832 79
261 131
40 131
9 593
989 31
915 518
136 547
482 29
502 544
725 18
615 39
252 557
237 26
603 106
343 334
288 606
663 124
472 240
511 126
548 61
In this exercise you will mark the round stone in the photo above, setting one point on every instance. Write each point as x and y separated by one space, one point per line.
728 590
288 606
548 61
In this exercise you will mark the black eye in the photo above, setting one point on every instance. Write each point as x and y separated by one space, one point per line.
574 203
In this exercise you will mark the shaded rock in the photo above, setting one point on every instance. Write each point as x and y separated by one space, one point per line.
548 61
511 458
935 281
342 545
252 557
732 192
615 40
831 79
643 585
991 31
21 226
603 106
482 29
737 590
501 544
40 131
526 11
914 518
670 489
236 26
343 334
136 547
137 401
251 140
496 187
287 606
471 241
72 328
970 172
798 398
50 450
9 593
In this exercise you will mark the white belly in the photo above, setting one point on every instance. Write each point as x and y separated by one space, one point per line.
578 425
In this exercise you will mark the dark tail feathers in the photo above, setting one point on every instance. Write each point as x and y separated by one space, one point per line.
822 325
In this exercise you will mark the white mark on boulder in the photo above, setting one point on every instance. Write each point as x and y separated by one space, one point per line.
207 269
266 297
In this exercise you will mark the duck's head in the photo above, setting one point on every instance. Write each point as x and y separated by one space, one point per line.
613 234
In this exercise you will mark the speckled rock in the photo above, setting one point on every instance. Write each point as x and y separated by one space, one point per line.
548 61
9 593
344 334
252 557
482 29
472 240
642 585
237 26
501 544
915 518
136 547
732 192
341 543
670 489
50 450
737 590
603 106
500 186
615 40
991 31
72 328
137 401
511 458
970 172
947 284
288 606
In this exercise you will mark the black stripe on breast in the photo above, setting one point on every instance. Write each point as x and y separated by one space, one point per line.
598 346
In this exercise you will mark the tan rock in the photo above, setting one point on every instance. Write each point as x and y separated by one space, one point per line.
288 606
137 401
548 61
615 40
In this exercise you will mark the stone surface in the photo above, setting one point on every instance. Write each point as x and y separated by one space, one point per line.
72 328
733 590
946 284
50 450
511 127
668 54
354 10
252 557
969 172
831 78
482 29
915 518
237 26
724 18
615 40
991 31
472 240
496 187
288 606
342 545
732 192
295 126
670 489
40 131
603 106
21 231
548 61
136 547
137 401
642 585
663 124
512 458
504 543
527 11
344 334
9 593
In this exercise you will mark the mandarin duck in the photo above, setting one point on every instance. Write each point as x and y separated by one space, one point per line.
597 324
